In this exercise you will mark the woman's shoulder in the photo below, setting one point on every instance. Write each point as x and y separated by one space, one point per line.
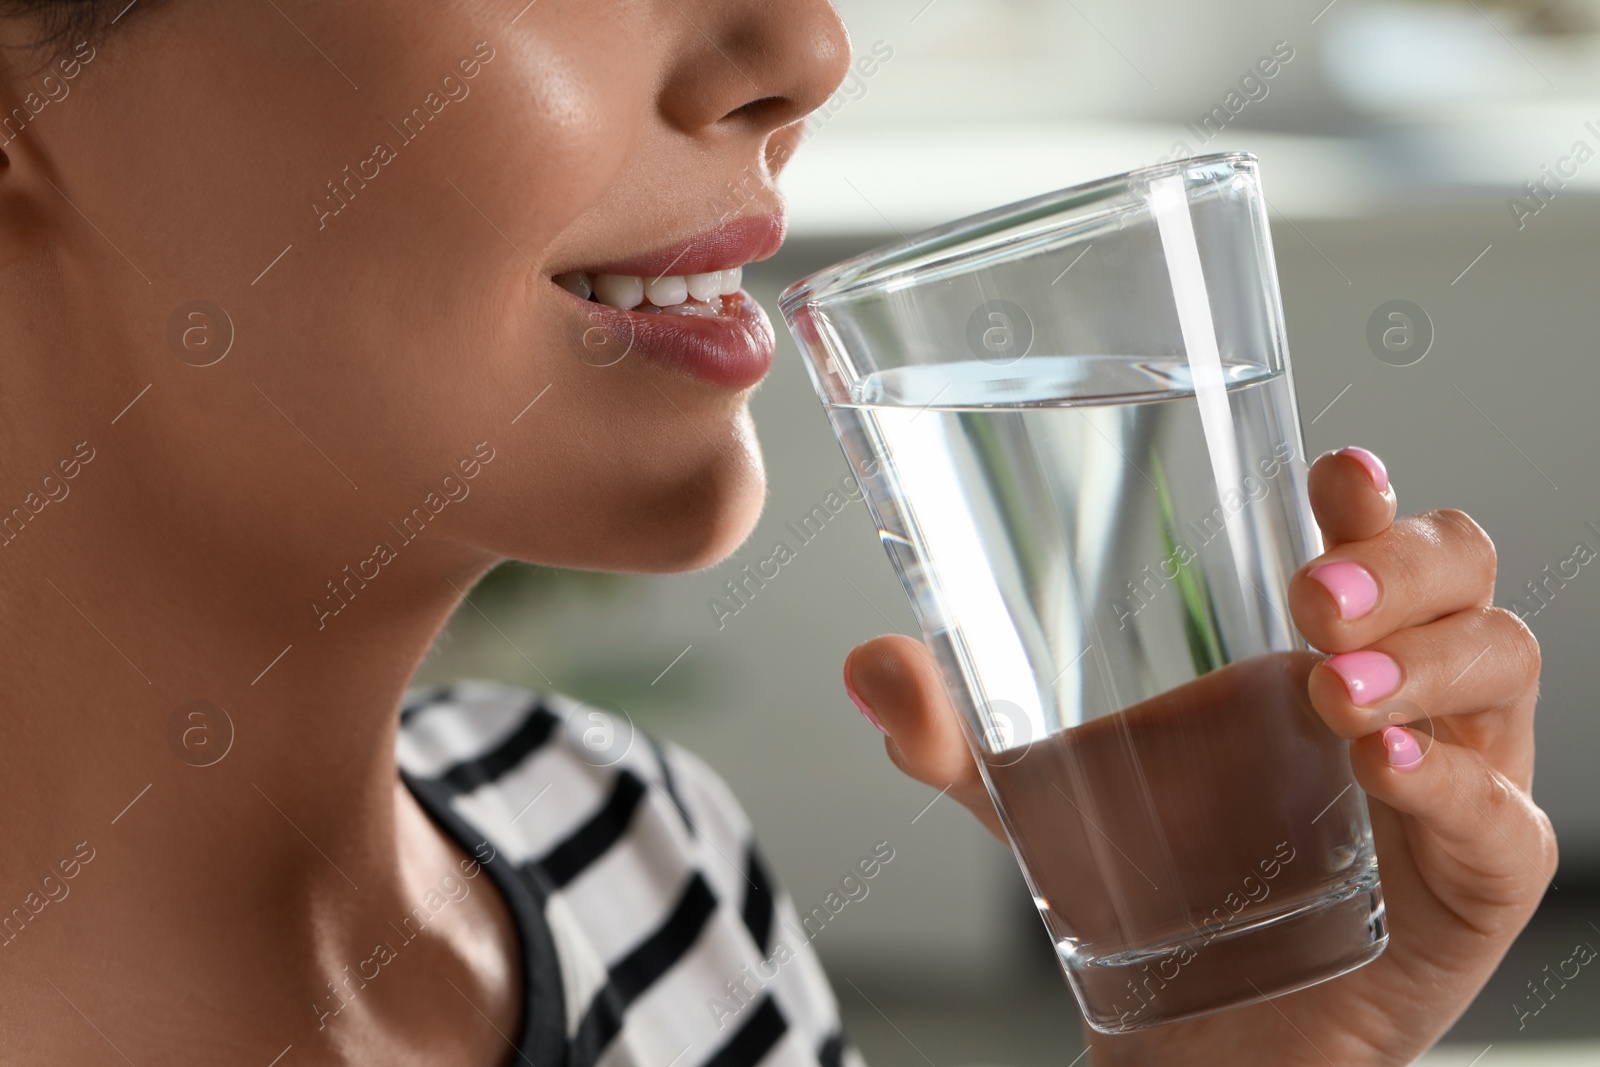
665 916
481 737
576 791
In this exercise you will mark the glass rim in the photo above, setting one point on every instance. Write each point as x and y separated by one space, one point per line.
878 266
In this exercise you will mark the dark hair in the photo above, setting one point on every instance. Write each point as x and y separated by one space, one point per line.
63 23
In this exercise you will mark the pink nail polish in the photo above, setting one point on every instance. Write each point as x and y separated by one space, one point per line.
860 704
1375 468
1352 587
1368 675
1400 745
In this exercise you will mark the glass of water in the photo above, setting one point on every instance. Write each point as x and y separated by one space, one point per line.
1074 421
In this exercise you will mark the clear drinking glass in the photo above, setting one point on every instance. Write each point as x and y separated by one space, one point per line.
1075 425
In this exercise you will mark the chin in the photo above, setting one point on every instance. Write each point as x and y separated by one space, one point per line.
679 524
700 525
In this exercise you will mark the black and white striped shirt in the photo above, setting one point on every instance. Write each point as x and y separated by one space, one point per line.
652 933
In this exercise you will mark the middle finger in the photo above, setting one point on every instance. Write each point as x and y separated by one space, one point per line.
1422 568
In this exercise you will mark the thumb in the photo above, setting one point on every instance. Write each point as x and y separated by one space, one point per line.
895 683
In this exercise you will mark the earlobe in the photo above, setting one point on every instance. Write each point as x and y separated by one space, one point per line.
24 220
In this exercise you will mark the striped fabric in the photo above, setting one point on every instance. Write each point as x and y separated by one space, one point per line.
653 935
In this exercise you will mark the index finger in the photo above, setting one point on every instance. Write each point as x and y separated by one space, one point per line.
1350 495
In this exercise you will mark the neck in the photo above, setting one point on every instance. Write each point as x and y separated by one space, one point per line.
265 861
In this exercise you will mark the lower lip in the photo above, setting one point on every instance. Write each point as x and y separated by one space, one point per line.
728 351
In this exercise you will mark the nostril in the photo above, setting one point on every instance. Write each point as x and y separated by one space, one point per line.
769 110
755 66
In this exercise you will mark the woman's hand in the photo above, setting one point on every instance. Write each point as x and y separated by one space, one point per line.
1463 851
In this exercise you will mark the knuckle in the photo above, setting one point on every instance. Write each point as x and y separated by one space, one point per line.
1528 832
1498 793
1520 639
1457 527
1549 847
1539 848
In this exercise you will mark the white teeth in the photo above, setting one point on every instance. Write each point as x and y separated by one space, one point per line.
693 294
705 286
666 291
694 310
577 284
619 290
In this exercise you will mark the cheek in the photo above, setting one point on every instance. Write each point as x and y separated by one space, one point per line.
416 307
562 126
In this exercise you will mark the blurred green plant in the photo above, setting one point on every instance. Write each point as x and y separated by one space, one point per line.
1557 18
527 585
1200 624
517 603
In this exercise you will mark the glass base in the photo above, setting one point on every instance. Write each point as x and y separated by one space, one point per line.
1250 961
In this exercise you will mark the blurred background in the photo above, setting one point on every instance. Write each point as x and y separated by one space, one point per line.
1425 151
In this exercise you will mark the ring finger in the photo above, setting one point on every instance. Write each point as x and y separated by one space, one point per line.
1473 668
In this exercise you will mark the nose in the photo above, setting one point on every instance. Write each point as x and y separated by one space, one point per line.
752 66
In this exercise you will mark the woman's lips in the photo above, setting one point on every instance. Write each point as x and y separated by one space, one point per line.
746 239
731 348
683 306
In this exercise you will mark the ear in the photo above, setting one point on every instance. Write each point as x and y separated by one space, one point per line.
29 204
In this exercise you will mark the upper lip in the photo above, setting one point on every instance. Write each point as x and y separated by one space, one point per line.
731 244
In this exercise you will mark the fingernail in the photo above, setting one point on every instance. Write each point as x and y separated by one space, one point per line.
1368 675
1375 468
1352 587
1400 745
860 704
